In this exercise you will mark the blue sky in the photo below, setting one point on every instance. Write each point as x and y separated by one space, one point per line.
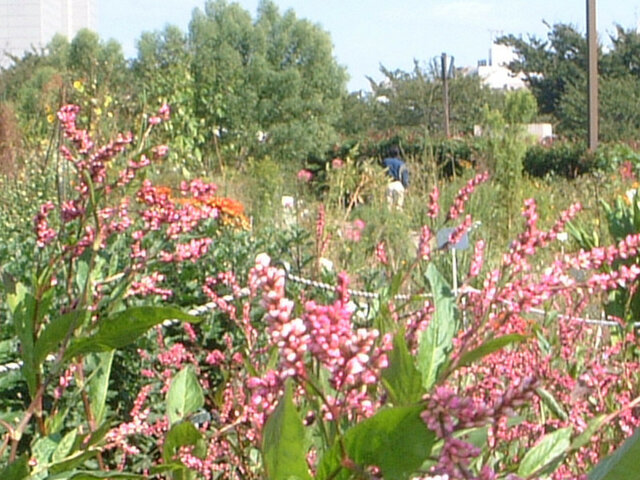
368 33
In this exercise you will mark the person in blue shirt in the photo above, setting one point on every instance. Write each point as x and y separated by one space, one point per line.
399 175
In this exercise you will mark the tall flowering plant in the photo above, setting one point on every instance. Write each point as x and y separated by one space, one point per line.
478 384
499 378
105 255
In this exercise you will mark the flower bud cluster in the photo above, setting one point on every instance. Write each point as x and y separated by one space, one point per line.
459 202
325 334
434 204
44 233
424 244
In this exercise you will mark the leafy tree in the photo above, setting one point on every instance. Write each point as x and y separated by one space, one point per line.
415 99
624 57
41 81
163 72
550 66
275 77
556 71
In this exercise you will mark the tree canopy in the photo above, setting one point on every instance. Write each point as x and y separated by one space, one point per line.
556 71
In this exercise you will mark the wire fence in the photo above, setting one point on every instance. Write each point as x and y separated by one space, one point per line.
210 306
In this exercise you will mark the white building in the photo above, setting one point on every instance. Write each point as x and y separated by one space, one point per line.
29 24
495 73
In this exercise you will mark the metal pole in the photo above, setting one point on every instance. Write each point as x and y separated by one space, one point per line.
592 82
445 94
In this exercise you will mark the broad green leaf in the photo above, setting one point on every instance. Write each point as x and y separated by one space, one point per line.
488 347
17 470
43 449
549 449
55 422
23 304
82 274
283 445
124 328
621 464
181 434
65 446
54 333
67 464
16 297
395 439
436 340
185 395
173 467
90 475
550 401
592 427
401 378
99 384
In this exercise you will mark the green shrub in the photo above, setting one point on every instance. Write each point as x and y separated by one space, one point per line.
567 159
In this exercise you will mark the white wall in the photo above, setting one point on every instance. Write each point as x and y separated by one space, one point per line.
28 24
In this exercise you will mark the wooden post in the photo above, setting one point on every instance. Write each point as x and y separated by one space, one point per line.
592 82
445 94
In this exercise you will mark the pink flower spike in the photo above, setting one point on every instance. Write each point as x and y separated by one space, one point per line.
305 175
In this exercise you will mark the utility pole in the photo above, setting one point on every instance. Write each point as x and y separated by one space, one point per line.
445 94
592 82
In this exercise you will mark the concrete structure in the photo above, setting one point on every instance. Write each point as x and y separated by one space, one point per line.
495 73
29 24
540 132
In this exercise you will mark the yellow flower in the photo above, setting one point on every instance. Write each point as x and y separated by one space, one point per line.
51 118
78 86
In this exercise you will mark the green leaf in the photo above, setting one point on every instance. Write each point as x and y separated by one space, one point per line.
88 475
283 445
550 401
17 470
401 378
43 449
395 439
124 328
621 464
23 304
54 333
592 427
436 340
64 447
549 449
185 395
488 347
74 460
99 383
182 434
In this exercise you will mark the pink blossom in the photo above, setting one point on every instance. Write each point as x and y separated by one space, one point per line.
45 234
463 195
424 244
305 175
381 253
434 205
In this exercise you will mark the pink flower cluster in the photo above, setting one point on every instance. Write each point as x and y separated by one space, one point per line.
324 334
45 234
381 253
460 230
148 285
434 204
459 202
424 244
305 175
352 231
163 115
